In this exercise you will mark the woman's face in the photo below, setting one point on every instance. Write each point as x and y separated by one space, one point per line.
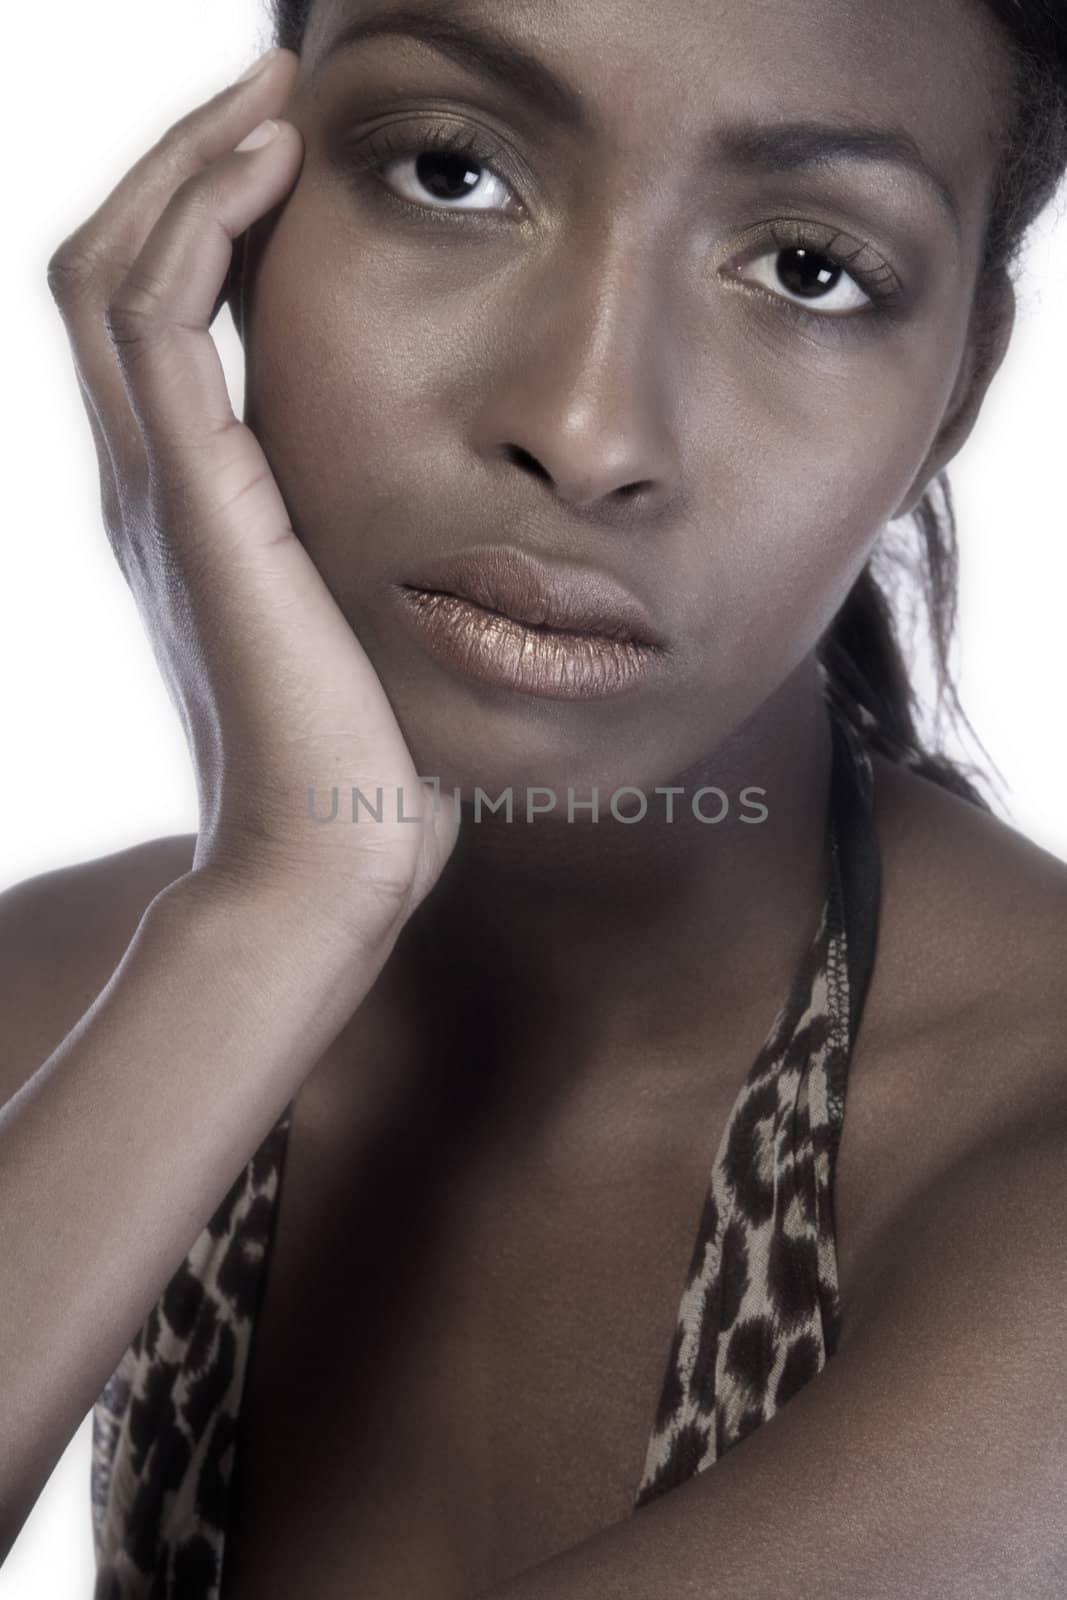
595 338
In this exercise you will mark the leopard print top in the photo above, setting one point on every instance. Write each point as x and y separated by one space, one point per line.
759 1314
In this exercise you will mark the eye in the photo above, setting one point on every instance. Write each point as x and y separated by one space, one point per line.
821 271
441 168
810 278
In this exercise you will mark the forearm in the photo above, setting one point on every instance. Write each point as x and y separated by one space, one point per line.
925 1461
117 1151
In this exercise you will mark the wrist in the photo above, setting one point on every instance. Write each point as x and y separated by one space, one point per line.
275 926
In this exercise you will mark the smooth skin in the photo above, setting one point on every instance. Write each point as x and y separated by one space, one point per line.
203 537
279 924
598 379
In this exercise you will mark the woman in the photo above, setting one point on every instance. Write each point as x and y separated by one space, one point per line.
569 498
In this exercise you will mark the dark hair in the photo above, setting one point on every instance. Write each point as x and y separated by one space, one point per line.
862 659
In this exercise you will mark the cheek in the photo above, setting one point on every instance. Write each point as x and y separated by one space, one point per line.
811 449
348 371
325 394
366 366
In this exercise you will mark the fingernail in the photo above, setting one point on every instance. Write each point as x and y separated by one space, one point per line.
259 136
257 66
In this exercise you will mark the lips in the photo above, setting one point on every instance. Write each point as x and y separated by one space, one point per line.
515 584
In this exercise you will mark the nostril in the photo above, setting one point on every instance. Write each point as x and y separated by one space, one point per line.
522 458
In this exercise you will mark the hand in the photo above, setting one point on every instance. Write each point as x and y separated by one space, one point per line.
275 693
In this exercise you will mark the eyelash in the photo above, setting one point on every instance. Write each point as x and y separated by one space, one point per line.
879 282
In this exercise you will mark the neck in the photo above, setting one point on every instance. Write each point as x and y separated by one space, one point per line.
552 951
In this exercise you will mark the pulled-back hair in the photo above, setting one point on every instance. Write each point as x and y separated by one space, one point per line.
862 658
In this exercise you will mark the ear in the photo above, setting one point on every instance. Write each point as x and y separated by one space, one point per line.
992 321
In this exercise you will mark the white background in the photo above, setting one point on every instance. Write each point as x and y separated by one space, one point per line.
95 759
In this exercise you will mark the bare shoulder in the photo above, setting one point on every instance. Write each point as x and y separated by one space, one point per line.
964 1034
62 934
974 915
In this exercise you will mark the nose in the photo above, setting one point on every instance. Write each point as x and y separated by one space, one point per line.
584 401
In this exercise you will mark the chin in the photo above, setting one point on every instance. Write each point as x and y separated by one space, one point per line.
541 765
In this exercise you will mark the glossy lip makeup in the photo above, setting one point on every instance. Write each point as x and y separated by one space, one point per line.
500 616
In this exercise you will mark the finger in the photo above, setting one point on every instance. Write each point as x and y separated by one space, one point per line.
159 320
85 270
117 487
228 293
218 521
110 492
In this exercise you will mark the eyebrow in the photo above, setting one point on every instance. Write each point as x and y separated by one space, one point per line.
477 47
749 146
798 146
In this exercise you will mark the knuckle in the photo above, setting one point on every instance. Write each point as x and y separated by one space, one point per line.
187 143
126 325
133 310
168 158
173 143
198 198
70 269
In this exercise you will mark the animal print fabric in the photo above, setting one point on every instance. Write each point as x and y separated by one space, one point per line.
164 1427
759 1314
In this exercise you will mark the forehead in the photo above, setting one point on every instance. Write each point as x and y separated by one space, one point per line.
673 71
